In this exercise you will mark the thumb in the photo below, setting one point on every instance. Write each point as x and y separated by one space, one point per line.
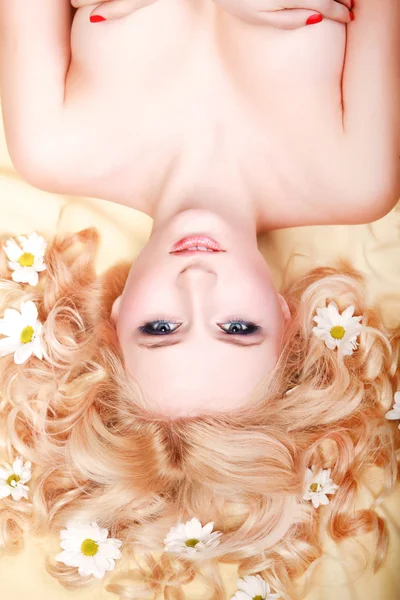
115 9
291 18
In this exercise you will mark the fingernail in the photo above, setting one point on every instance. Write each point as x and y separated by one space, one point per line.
351 16
317 18
352 4
96 19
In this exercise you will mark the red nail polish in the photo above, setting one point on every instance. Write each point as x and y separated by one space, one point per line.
352 16
317 18
96 19
352 4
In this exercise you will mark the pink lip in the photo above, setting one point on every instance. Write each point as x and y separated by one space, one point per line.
196 240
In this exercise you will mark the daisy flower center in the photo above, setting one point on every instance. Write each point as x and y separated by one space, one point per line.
192 542
314 487
258 597
26 259
13 480
89 547
27 334
337 332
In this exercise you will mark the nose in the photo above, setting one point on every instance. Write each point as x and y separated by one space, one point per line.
196 281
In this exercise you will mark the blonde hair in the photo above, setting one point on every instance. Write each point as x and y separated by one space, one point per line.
99 453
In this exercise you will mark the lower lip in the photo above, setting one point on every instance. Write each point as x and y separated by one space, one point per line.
196 240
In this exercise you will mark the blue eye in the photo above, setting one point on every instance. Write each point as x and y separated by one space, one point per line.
240 327
235 327
159 327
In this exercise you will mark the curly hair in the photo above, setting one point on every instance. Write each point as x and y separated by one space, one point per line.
100 453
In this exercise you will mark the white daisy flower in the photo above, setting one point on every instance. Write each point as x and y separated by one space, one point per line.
87 547
26 259
338 330
13 479
23 331
394 413
253 587
191 537
318 485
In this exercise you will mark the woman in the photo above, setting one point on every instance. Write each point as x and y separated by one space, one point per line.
205 139
227 165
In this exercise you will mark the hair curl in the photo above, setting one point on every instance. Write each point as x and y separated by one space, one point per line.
100 453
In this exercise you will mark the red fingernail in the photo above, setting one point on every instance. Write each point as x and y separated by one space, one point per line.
351 16
317 18
96 19
352 4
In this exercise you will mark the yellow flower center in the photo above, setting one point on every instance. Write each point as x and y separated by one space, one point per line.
27 334
13 477
89 547
258 597
338 332
192 542
314 487
26 259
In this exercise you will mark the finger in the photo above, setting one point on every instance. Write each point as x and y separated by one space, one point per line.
336 11
117 9
290 18
329 9
82 3
348 3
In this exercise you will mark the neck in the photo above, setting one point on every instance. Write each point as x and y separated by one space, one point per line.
237 209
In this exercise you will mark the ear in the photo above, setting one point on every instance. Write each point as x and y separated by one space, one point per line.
115 309
285 309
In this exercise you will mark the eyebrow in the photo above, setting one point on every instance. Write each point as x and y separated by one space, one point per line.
169 342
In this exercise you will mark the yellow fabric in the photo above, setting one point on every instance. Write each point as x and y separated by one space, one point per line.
374 249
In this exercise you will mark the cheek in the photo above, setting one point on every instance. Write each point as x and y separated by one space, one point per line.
143 296
131 304
259 273
273 314
262 290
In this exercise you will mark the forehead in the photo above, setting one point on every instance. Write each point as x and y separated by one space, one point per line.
201 375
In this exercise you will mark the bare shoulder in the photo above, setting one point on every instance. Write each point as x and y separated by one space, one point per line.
368 189
341 186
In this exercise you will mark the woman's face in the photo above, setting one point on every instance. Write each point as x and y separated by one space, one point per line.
195 357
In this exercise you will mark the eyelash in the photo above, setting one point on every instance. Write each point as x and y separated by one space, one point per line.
251 327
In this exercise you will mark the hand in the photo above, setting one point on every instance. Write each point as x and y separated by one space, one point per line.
111 9
289 14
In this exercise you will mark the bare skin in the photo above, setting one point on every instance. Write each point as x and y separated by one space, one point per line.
181 95
209 124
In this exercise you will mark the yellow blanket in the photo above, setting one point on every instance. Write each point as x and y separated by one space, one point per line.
374 249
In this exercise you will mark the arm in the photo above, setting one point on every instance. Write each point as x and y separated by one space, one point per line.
34 59
371 105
